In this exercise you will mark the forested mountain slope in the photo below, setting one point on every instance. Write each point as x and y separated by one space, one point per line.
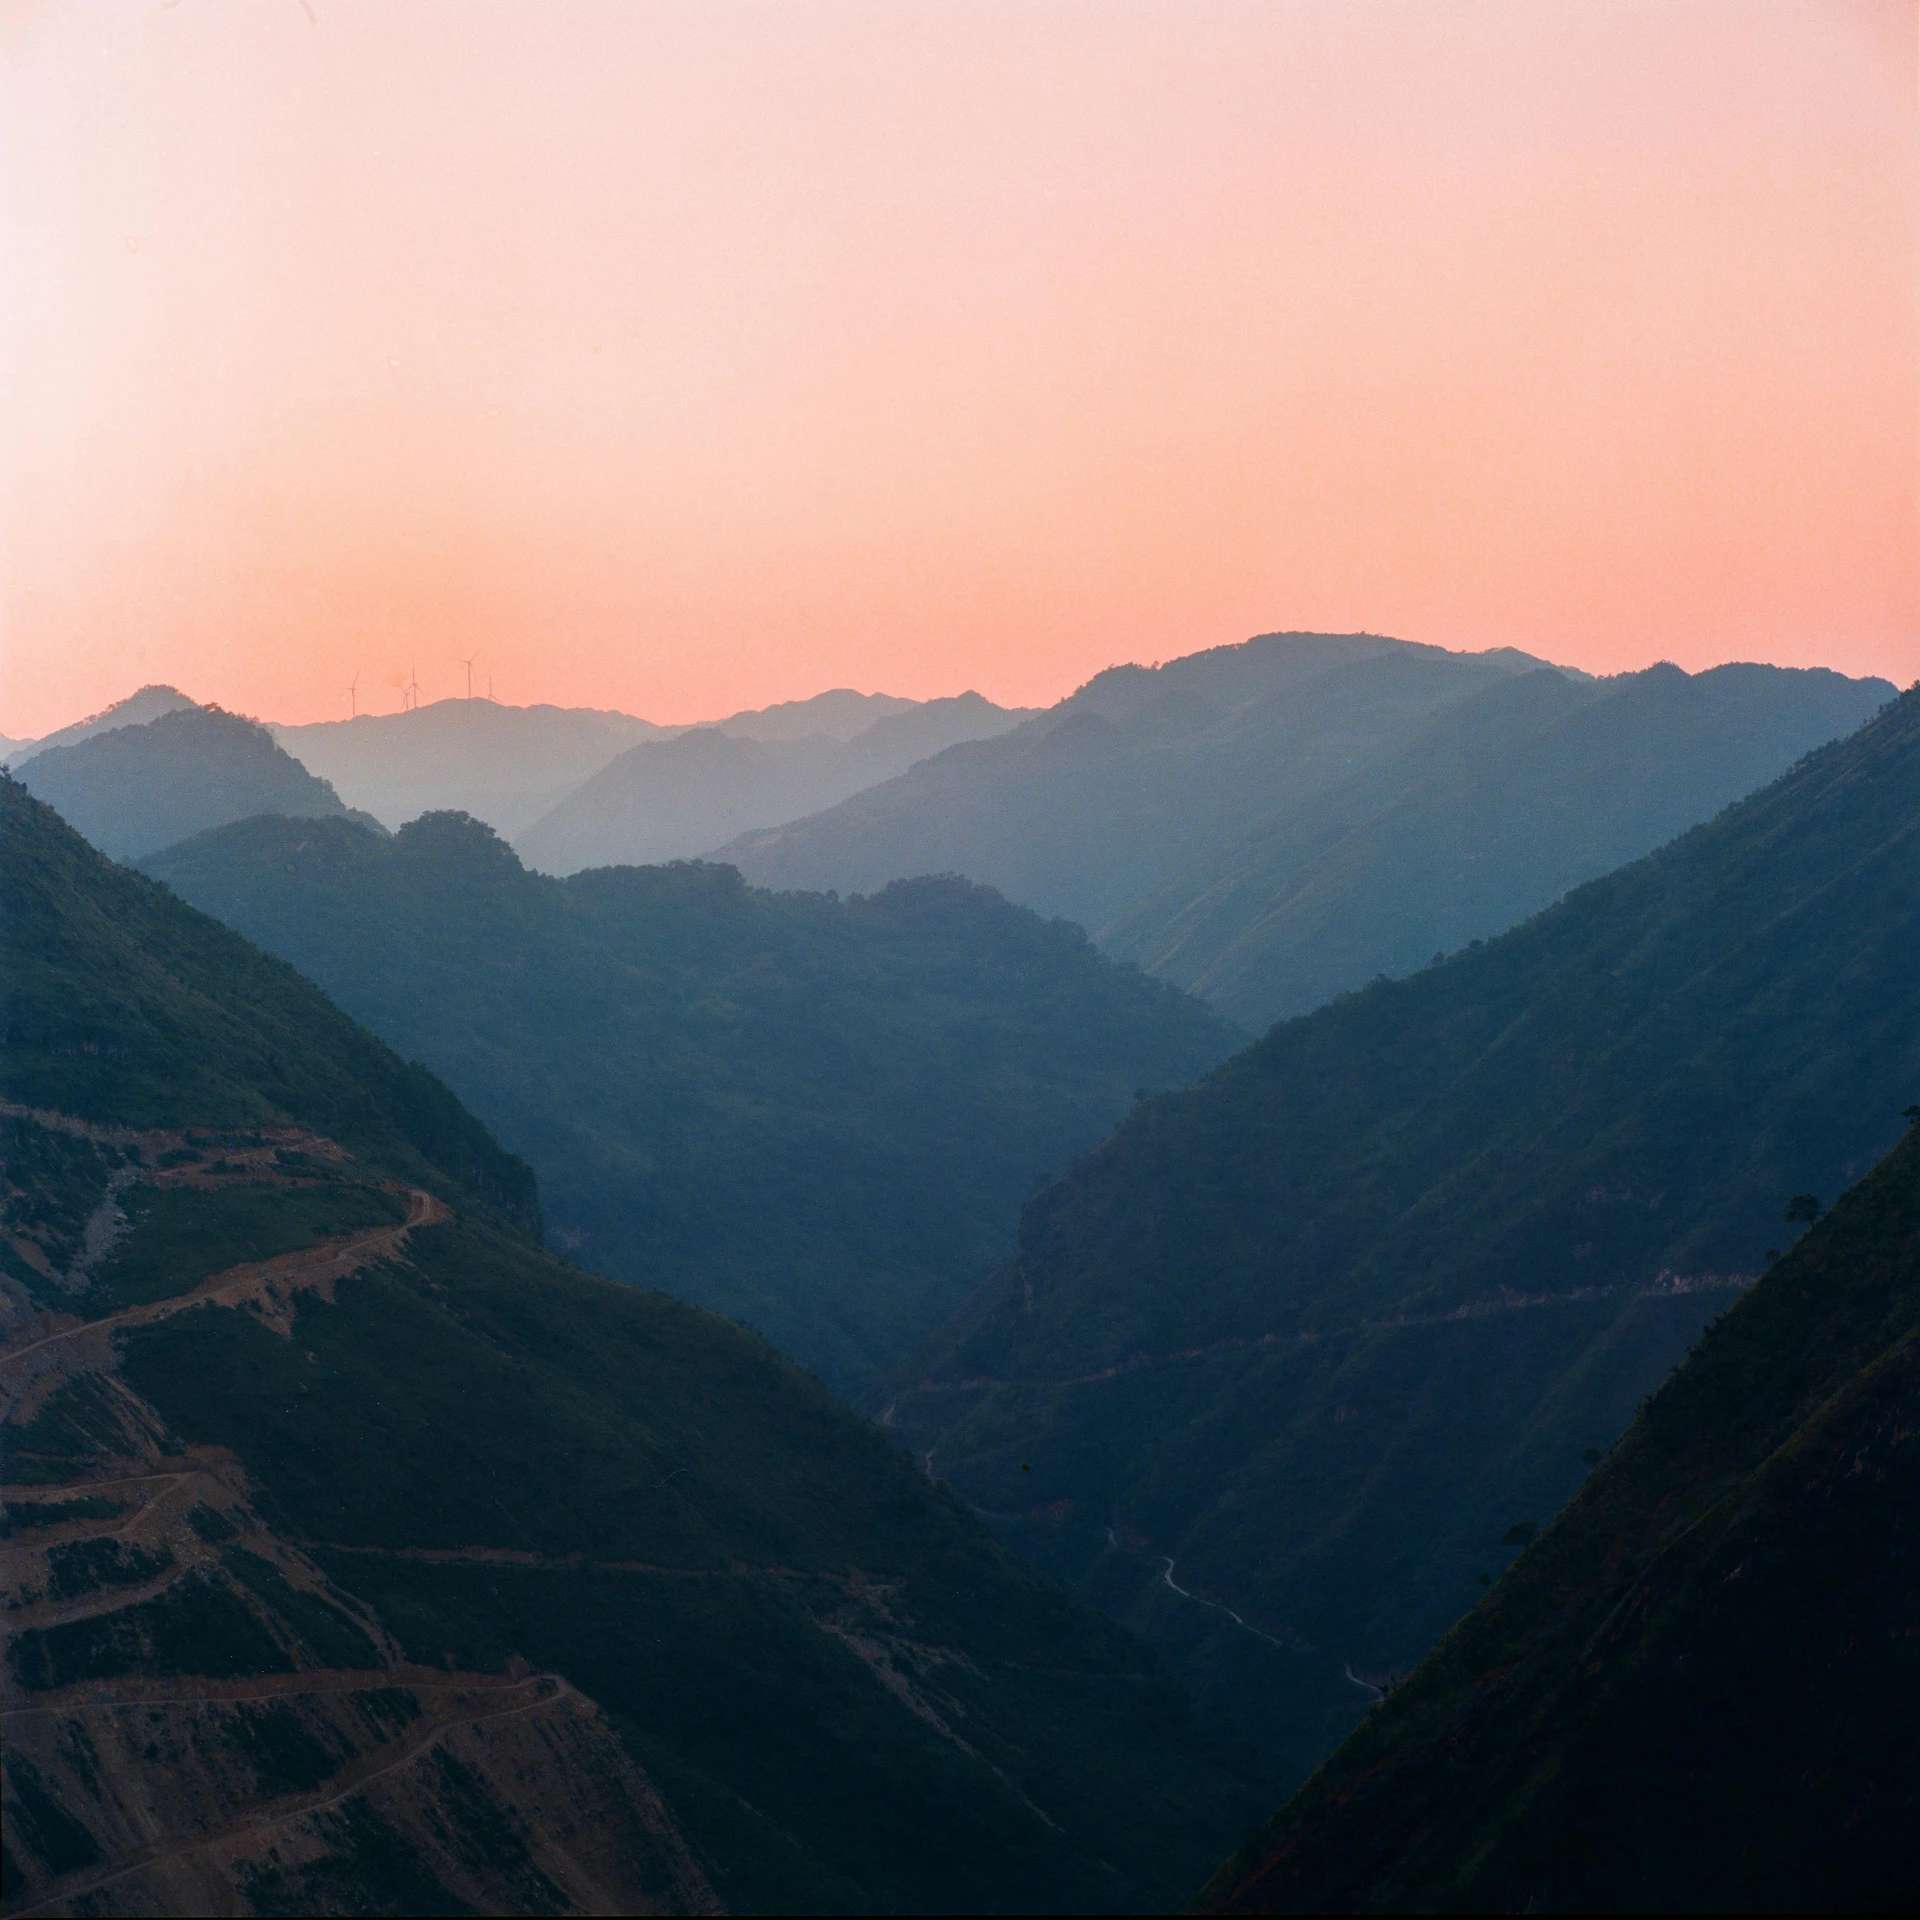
1323 1329
1698 1690
819 1116
1492 811
362 1557
668 799
1270 824
133 789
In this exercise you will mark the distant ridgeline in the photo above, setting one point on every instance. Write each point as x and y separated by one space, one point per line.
580 787
132 789
1699 1689
820 1116
148 703
361 1557
1320 1339
668 799
1273 823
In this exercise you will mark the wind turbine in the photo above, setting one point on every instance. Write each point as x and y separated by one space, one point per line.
468 664
410 695
353 699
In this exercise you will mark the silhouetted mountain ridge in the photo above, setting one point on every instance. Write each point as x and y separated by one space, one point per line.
149 703
1493 810
134 788
668 799
505 765
1273 823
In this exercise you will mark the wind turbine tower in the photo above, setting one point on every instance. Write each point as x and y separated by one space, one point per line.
468 664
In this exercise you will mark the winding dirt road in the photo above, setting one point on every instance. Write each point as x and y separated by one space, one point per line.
267 1284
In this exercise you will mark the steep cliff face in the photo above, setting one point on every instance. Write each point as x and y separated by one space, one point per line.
1698 1690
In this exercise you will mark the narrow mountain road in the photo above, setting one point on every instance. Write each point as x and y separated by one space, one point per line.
269 1284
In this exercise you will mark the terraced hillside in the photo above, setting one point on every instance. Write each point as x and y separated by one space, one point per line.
361 1556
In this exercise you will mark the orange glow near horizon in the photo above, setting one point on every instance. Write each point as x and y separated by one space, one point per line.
682 358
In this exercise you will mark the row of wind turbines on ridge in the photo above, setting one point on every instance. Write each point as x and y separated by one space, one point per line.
410 693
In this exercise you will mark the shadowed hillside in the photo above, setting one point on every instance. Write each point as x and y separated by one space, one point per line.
668 799
149 703
1270 824
1491 812
360 1557
132 789
1698 1690
1119 790
820 1116
1319 1333
504 765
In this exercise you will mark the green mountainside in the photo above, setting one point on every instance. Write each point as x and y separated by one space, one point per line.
360 1556
1493 810
133 789
1319 1338
819 1116
1698 1689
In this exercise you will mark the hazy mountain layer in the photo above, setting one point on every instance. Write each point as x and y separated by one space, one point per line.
1120 790
819 1116
1323 1329
362 1557
1274 823
1490 813
1697 1692
133 789
668 799
503 765
134 711
837 714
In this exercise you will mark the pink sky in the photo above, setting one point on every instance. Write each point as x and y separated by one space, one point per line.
688 357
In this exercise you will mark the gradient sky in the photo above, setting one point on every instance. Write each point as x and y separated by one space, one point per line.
688 357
